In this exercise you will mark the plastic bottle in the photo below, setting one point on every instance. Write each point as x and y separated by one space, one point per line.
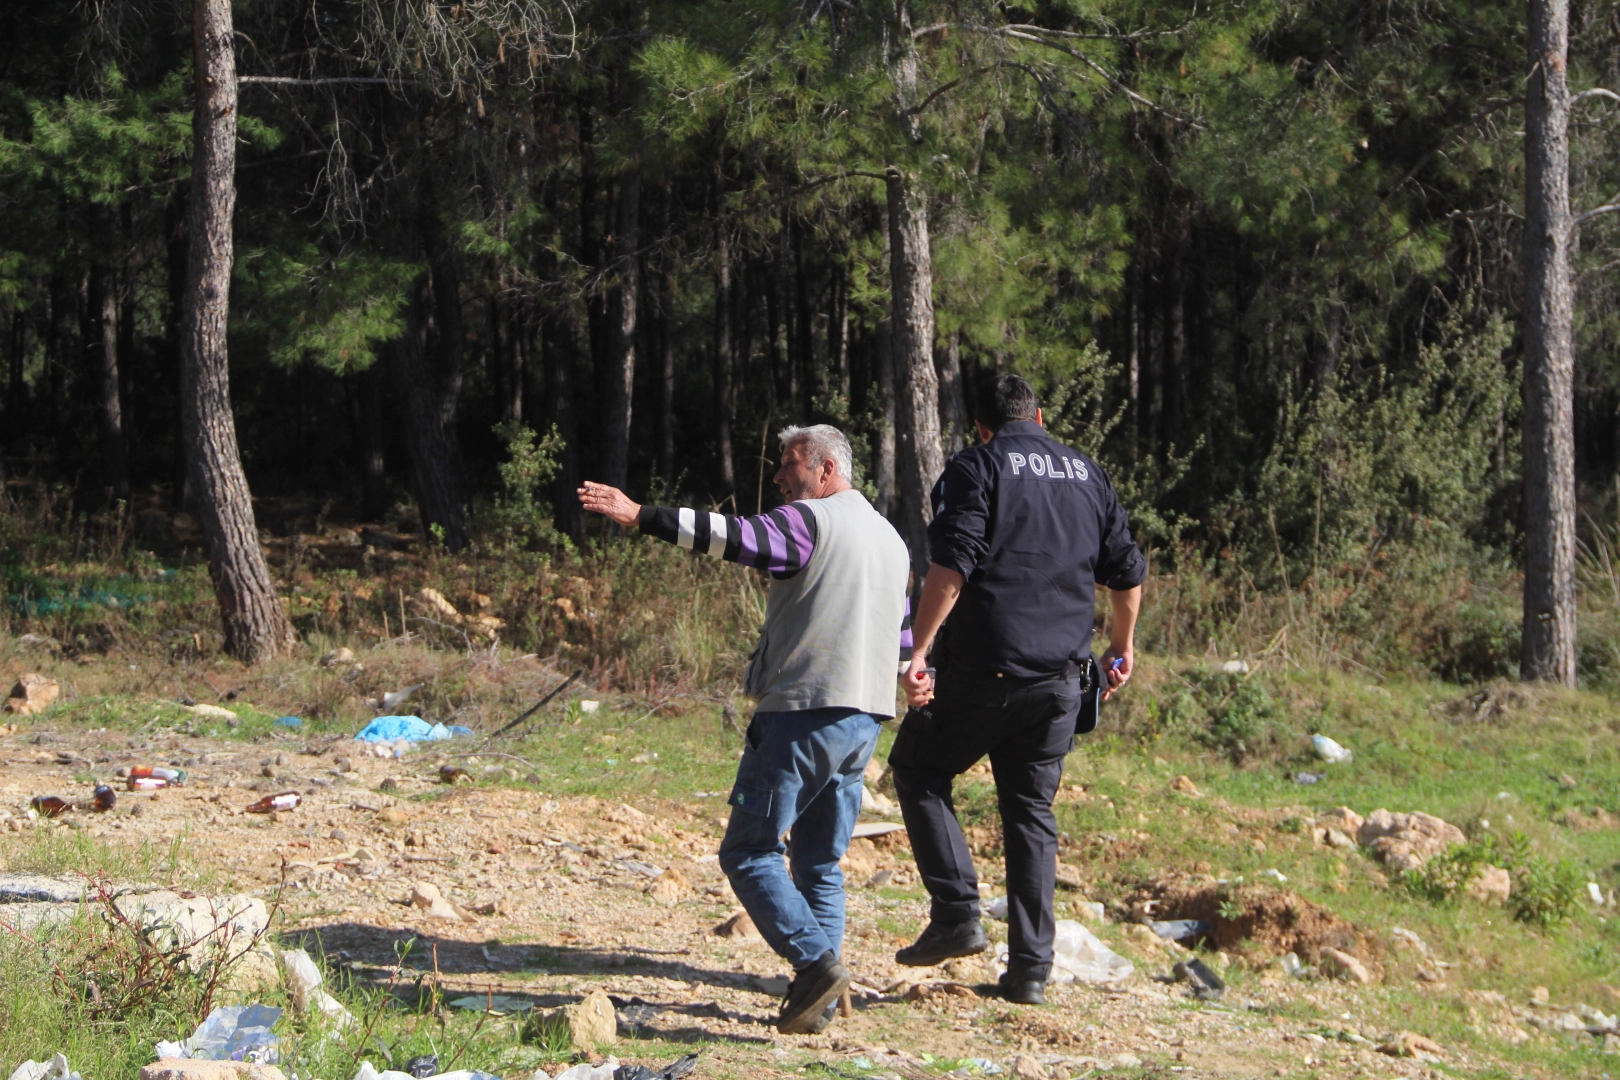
146 783
50 805
104 799
287 800
160 772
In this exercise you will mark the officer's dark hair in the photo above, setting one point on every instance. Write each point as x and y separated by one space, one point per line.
1004 398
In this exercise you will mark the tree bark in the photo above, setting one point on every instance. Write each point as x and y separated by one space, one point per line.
883 389
725 401
953 421
621 372
433 464
256 624
1548 642
911 330
666 378
101 343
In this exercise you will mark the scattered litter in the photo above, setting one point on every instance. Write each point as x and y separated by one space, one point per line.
1328 750
1275 875
1235 667
423 1067
1292 967
1077 956
1206 985
158 772
54 1069
303 982
1309 777
287 800
394 699
586 1071
1182 929
215 711
454 774
387 729
494 1004
1595 891
289 721
369 1072
869 829
146 783
676 1069
50 805
588 706
232 1033
104 799
984 1065
997 909
646 757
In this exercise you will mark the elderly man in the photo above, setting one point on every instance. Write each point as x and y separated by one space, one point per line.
824 673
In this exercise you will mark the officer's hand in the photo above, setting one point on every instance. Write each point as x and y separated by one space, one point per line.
918 686
610 502
1117 665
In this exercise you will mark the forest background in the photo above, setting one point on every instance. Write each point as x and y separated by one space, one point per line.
1262 260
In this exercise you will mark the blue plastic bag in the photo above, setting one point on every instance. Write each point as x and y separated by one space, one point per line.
410 728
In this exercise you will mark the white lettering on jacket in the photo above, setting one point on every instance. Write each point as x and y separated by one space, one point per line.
1016 461
1044 465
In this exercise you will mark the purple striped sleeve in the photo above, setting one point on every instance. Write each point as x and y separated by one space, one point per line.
748 543
799 523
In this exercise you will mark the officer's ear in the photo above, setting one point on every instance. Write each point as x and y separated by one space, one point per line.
985 434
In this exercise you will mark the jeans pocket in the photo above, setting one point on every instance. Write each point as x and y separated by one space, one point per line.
752 799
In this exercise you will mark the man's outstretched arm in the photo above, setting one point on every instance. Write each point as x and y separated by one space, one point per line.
780 541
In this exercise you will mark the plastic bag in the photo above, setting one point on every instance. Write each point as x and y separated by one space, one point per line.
586 1071
1328 750
410 728
54 1069
237 1033
1077 956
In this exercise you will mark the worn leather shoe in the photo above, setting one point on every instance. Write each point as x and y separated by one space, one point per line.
822 1022
940 942
809 994
1022 991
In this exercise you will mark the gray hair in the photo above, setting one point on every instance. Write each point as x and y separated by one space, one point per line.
823 443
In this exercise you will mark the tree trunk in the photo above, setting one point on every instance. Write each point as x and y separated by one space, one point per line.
953 423
256 625
666 378
1548 643
16 389
103 348
621 371
433 464
725 401
374 467
838 334
451 338
883 388
911 330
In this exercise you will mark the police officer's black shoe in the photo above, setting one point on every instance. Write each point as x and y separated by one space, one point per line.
821 1023
940 942
1022 991
809 994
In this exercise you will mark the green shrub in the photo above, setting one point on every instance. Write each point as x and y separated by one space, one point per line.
1545 891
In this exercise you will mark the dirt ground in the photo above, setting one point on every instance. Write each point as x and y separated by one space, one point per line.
554 896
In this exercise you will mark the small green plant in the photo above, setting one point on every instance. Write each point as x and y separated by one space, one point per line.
1447 874
1545 891
519 511
1227 712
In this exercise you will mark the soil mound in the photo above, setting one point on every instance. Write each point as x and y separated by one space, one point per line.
1258 921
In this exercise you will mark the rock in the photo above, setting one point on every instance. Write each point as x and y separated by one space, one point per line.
1342 965
739 927
426 895
1027 1067
875 802
874 772
215 712
1090 912
1411 1045
392 815
669 887
1127 1061
1185 785
1539 995
1492 885
338 656
192 1069
31 694
1328 836
1407 841
1070 877
1411 940
586 1024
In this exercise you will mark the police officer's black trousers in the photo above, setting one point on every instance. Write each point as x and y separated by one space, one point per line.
1026 727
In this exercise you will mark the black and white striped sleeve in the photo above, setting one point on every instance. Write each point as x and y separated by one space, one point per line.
781 541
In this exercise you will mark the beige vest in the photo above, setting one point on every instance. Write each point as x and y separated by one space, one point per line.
832 631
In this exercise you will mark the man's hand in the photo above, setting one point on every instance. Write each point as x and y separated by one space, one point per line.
919 687
1117 665
610 502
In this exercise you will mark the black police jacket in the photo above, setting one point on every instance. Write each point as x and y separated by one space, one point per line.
1033 526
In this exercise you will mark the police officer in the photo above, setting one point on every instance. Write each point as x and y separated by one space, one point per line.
1023 529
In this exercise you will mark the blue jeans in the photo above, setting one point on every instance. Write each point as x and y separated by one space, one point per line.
800 771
